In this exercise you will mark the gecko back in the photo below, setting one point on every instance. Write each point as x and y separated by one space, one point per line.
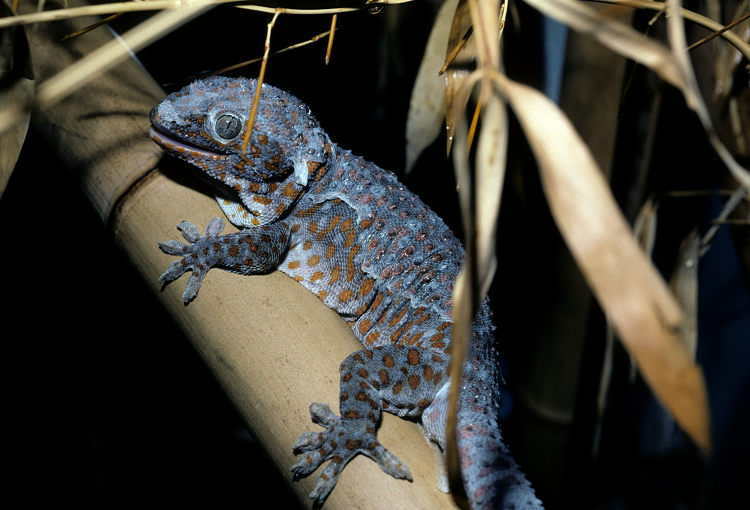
351 233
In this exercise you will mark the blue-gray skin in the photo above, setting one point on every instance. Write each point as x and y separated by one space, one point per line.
371 250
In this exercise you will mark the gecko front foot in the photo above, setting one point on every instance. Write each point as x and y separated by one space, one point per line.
195 256
340 443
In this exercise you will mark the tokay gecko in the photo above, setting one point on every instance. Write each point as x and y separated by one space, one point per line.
351 233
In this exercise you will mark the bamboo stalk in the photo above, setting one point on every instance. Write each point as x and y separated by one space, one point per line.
273 346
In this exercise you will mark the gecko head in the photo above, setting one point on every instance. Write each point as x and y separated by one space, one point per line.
205 122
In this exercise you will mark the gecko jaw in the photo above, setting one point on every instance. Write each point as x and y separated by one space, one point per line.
182 149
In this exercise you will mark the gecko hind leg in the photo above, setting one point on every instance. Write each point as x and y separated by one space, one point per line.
399 379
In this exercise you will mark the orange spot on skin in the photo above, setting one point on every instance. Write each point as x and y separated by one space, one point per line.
346 225
350 238
412 357
335 274
414 381
397 318
366 286
423 318
262 200
372 337
293 264
364 326
437 341
361 310
378 299
384 379
345 296
289 191
396 389
351 271
313 261
330 250
306 213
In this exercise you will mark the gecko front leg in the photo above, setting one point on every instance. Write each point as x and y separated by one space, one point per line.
251 251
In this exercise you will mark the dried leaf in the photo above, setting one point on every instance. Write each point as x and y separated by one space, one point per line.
479 205
427 105
490 175
16 87
684 285
693 98
732 104
462 65
484 19
645 226
673 66
634 297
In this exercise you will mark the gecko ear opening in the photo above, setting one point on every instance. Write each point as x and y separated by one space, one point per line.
313 153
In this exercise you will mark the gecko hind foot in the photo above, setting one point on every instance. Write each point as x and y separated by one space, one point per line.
340 443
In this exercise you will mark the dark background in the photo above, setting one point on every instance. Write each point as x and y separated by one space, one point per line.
108 405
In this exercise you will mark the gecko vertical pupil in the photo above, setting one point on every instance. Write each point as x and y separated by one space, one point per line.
228 126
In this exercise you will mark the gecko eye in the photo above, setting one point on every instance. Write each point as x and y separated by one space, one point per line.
228 126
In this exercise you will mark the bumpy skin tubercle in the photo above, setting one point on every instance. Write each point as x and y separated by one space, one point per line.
371 250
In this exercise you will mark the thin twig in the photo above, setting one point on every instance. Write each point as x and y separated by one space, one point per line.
459 46
330 38
159 5
256 99
718 32
731 204
91 27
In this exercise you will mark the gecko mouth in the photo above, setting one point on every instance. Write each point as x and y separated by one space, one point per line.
182 149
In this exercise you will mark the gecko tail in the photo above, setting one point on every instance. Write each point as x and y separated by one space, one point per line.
492 478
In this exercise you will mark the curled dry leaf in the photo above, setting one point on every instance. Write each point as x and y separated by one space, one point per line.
633 295
427 105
